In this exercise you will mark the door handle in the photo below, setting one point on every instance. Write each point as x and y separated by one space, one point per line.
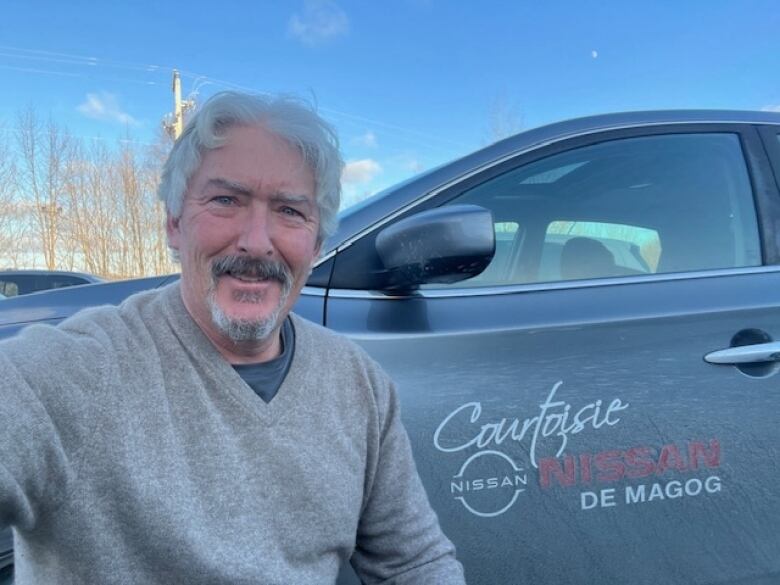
746 354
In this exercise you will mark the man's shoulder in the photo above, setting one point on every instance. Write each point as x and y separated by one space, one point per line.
96 329
82 347
316 337
328 353
139 309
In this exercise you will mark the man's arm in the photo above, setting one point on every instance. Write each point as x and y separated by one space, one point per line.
46 375
399 540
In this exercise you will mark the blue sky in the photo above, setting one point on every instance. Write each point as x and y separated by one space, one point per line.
409 84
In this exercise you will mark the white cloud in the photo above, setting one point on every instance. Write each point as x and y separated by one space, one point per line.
594 54
413 165
360 171
319 21
352 195
105 106
368 140
775 108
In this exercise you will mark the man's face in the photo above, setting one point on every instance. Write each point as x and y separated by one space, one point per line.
247 236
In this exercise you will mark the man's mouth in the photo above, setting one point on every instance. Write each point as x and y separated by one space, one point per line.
243 277
251 270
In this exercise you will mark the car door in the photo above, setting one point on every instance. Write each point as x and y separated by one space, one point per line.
564 417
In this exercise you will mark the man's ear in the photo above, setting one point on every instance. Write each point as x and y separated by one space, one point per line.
173 231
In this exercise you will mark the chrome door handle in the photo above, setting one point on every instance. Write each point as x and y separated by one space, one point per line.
746 354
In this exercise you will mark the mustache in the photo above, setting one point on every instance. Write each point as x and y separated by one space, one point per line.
251 268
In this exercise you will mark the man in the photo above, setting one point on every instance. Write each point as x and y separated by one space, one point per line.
201 433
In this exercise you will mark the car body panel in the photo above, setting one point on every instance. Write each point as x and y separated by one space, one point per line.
601 342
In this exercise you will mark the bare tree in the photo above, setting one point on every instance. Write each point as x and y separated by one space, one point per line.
13 215
89 206
93 208
44 163
158 251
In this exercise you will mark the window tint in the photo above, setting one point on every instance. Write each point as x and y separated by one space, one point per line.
589 249
19 284
60 281
8 288
22 284
506 234
654 204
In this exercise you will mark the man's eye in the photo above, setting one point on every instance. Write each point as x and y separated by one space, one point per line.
291 211
224 199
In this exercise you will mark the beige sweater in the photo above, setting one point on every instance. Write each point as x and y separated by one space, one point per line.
131 452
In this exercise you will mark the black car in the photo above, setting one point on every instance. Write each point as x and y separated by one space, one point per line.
581 321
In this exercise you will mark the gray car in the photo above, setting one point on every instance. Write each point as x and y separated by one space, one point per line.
581 321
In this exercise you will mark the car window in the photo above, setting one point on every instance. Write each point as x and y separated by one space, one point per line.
12 286
8 288
61 281
570 247
22 284
626 207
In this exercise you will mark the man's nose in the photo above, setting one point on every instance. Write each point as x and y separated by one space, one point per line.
255 236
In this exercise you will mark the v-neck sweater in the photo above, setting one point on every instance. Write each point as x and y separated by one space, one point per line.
132 452
265 378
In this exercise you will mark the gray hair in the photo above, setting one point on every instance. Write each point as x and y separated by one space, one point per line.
287 117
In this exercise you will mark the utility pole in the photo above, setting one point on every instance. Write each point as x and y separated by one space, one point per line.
174 123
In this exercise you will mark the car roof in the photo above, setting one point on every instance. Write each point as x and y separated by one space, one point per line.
654 117
35 272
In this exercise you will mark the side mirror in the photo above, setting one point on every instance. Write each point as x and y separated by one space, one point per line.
446 244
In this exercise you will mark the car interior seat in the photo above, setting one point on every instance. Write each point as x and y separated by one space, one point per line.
586 258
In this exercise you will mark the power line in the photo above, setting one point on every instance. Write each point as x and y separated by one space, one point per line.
33 70
23 53
353 117
199 80
14 129
81 75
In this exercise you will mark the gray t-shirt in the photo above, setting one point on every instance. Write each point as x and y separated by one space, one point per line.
265 378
